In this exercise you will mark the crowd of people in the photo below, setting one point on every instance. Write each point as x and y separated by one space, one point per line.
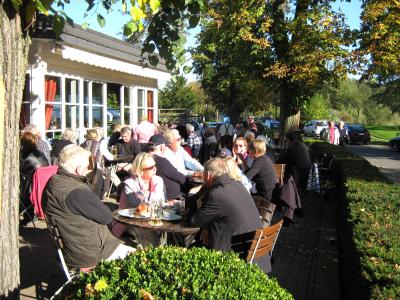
149 161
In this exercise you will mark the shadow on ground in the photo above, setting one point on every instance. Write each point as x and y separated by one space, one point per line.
41 275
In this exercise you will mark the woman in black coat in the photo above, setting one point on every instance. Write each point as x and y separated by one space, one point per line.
30 160
262 172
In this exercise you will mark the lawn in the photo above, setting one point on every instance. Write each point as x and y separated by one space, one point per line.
383 132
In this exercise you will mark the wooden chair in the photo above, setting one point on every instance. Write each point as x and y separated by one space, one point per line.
253 245
266 210
280 172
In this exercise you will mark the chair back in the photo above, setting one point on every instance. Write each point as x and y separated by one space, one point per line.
266 210
58 242
280 172
253 245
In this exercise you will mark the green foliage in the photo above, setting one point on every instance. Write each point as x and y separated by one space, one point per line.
177 94
380 39
372 208
175 273
384 132
317 108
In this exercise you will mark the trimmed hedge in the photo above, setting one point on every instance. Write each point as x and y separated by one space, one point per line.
175 273
370 227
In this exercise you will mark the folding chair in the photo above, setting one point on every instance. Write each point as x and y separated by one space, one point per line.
266 210
57 241
253 245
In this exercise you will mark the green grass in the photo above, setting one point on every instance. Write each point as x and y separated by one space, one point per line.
381 132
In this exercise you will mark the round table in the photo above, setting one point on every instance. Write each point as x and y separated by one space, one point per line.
176 227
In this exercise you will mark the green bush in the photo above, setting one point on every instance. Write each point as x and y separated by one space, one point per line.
175 273
372 210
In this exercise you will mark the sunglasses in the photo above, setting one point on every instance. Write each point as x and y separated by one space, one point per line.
149 168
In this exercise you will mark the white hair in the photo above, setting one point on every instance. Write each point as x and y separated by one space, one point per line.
189 127
171 135
72 156
68 134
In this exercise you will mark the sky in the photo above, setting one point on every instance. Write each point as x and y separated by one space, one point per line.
115 19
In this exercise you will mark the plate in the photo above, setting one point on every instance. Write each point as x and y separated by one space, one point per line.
130 213
171 218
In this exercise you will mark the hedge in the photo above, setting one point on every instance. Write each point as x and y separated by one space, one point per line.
175 273
369 227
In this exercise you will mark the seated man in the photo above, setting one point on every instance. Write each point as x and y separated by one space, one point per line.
170 175
178 157
81 217
297 160
226 207
127 148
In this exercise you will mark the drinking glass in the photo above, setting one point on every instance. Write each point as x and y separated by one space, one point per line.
156 207
114 151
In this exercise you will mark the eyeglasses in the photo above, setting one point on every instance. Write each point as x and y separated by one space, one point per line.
149 168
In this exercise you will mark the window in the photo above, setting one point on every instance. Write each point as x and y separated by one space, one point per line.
127 106
150 106
53 106
72 103
141 104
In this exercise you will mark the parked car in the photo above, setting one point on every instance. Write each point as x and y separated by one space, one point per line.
394 143
314 127
358 134
272 124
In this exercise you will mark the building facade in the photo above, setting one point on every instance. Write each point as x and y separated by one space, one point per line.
85 79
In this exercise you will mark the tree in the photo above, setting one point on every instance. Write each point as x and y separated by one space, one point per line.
294 47
177 94
380 39
317 108
167 20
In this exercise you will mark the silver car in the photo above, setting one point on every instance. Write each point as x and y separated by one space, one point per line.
313 128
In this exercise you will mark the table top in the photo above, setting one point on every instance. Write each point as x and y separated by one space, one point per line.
167 226
118 159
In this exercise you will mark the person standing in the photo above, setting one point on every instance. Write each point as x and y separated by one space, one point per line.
193 140
144 131
332 134
343 134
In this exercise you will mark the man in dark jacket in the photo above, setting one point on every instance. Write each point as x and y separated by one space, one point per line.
79 214
226 210
297 160
128 146
173 179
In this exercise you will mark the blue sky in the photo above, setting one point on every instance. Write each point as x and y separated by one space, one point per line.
115 19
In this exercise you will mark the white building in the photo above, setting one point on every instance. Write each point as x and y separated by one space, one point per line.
85 79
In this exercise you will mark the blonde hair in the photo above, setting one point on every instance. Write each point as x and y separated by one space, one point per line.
69 135
137 164
99 132
258 147
143 118
234 171
216 167
91 134
240 138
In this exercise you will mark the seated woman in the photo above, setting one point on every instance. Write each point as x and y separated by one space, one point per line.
30 160
262 172
236 173
140 187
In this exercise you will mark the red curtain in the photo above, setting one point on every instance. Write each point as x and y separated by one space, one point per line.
50 93
150 105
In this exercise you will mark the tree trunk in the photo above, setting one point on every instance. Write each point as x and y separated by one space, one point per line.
14 46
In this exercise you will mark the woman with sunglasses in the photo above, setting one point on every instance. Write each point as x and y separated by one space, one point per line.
140 188
144 183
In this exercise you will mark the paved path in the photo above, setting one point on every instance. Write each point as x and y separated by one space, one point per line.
381 156
305 257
